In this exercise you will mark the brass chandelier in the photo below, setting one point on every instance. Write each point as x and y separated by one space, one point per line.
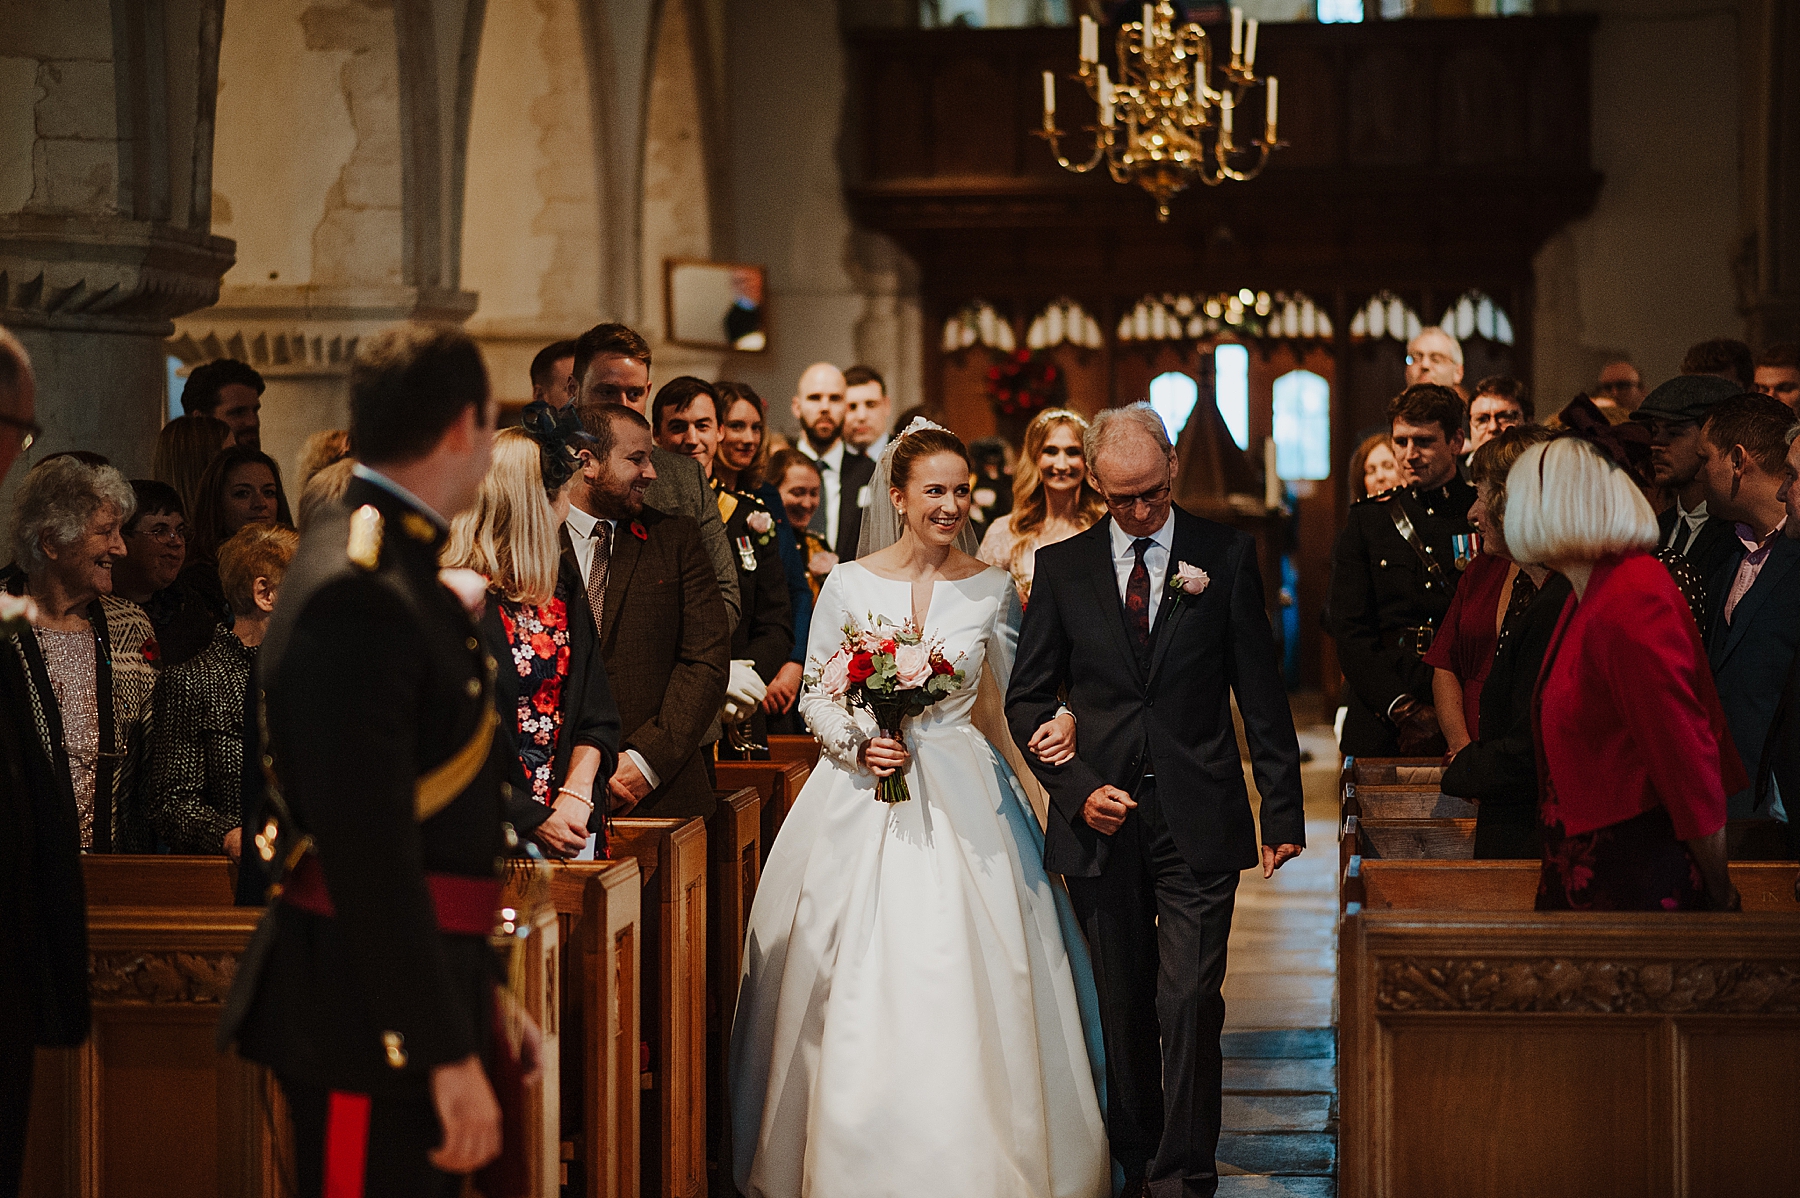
1161 123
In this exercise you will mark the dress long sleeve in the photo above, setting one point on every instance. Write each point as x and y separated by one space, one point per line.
1003 642
841 731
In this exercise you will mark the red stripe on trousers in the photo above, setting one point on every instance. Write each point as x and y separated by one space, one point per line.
346 1144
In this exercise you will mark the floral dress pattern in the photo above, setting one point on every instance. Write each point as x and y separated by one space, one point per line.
539 637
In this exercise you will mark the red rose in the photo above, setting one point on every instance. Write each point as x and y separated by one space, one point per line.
887 646
861 666
940 666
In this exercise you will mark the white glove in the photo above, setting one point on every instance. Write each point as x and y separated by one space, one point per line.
743 692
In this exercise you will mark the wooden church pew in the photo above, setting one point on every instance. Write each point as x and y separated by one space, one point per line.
734 844
673 856
803 749
1487 1049
778 782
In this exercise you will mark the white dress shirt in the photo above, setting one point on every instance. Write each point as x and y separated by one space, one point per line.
874 449
1156 559
831 478
1693 518
581 535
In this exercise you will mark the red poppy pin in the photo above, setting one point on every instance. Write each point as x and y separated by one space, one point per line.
152 651
637 530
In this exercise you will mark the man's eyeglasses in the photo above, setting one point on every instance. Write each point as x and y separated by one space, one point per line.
1128 503
167 536
28 430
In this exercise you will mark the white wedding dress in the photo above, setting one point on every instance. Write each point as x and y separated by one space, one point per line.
917 1015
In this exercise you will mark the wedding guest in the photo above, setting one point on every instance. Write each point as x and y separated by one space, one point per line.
868 411
685 416
324 488
1674 413
1499 403
1492 588
1496 764
155 550
241 486
557 718
1637 756
1620 384
1777 778
1722 357
85 645
1374 470
1053 497
819 406
321 450
798 483
742 464
197 750
550 371
1778 372
184 449
228 390
1434 356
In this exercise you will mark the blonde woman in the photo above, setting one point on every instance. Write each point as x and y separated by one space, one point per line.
1053 497
557 716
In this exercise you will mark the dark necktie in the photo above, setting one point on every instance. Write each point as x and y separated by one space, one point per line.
597 571
1681 537
1137 601
821 520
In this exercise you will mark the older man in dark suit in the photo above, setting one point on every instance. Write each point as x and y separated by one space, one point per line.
1753 599
663 627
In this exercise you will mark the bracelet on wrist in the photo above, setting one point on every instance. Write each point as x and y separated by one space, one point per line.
576 795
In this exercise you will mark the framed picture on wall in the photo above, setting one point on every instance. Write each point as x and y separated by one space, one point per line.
714 305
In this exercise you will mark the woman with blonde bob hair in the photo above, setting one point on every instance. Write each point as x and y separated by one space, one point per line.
1636 756
557 716
1053 496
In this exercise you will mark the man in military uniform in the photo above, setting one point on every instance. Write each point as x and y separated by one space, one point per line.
374 1007
1393 572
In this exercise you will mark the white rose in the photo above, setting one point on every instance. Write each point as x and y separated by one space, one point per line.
1191 579
834 679
912 666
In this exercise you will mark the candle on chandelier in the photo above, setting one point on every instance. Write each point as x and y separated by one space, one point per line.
1090 40
1250 44
1149 20
1237 34
1049 94
1106 99
1269 133
1200 82
1225 107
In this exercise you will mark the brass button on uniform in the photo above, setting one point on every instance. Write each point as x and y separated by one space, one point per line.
472 644
394 1043
473 687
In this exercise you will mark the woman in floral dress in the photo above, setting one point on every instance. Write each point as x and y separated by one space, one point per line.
557 716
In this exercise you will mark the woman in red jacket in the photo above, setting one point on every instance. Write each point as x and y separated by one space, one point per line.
1634 756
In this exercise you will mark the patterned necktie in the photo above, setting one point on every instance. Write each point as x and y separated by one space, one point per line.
1137 600
597 571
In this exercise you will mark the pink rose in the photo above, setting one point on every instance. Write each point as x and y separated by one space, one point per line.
912 666
759 522
1190 580
834 679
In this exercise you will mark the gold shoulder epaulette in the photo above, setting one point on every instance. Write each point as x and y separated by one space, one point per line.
418 527
728 503
1382 496
366 528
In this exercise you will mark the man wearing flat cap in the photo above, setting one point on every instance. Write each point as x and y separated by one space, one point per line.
1675 411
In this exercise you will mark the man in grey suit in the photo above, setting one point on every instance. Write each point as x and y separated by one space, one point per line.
612 365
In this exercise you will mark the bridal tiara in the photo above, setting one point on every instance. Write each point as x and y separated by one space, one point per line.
919 424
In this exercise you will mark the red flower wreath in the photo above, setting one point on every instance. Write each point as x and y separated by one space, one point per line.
1025 383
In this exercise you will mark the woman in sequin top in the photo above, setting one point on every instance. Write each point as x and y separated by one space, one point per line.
85 645
557 717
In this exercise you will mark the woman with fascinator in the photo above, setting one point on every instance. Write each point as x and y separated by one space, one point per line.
1634 755
557 717
917 1013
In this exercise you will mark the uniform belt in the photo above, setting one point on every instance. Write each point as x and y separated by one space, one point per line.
465 906
1416 640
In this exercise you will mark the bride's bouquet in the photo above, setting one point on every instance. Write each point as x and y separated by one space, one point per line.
893 672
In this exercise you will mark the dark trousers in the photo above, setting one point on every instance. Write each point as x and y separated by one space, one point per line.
401 1132
17 1058
1157 931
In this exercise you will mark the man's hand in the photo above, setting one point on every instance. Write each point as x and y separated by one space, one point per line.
1274 856
628 786
1417 724
784 688
1106 809
234 843
743 691
564 832
471 1117
1054 741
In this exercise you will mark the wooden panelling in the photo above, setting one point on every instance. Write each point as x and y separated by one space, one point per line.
778 781
1739 1090
1438 839
734 843
672 852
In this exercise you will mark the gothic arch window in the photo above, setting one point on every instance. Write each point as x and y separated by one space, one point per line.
1176 317
1302 426
1231 389
978 322
1174 396
1476 315
1064 320
1386 315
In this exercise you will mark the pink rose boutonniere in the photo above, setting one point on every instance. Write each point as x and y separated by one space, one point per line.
17 613
1187 580
762 524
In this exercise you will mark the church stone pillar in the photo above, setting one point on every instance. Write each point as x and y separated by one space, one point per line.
105 208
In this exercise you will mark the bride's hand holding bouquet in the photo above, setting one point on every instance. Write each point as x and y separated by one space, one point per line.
893 672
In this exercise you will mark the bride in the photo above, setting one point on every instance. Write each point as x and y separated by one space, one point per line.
917 1012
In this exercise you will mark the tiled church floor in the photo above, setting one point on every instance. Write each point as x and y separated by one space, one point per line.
1280 1115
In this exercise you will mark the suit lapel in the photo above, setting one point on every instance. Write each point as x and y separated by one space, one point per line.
1774 572
627 549
1173 606
1106 590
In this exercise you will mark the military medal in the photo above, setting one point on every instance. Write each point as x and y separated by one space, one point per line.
1465 545
746 552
